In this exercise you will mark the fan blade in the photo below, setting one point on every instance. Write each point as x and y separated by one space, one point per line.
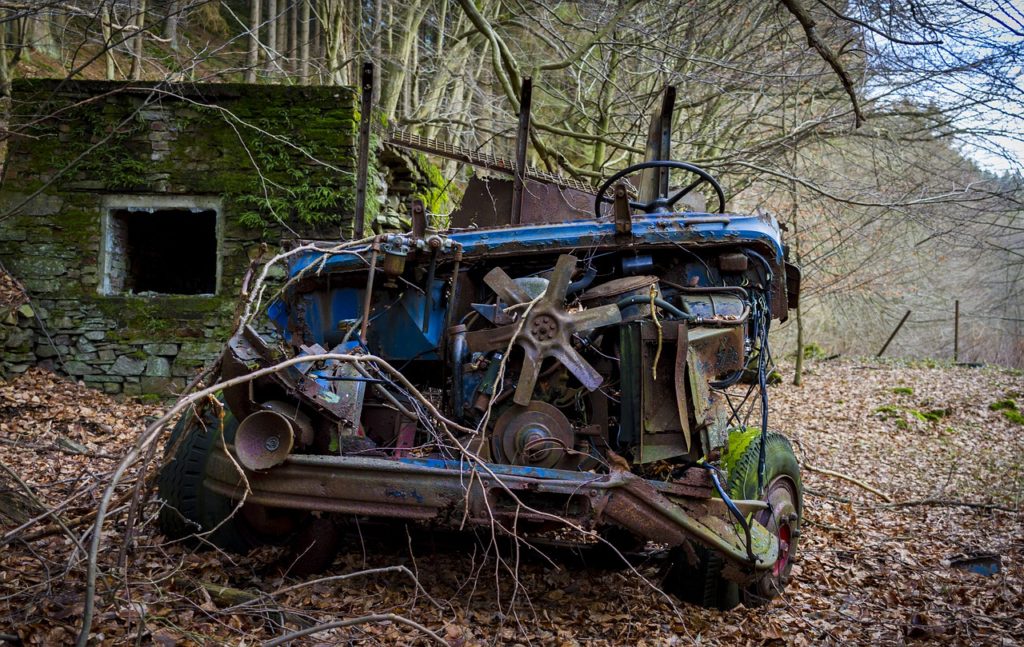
581 368
480 341
506 289
527 377
561 276
595 318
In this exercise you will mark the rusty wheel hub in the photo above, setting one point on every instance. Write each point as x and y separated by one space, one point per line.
783 520
537 435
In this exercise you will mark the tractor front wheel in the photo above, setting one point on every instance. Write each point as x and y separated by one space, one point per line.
702 583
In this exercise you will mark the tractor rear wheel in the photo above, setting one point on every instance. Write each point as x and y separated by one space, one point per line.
190 509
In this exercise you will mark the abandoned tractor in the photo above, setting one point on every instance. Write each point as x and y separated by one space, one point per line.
601 375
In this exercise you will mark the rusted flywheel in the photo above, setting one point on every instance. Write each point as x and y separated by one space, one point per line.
537 435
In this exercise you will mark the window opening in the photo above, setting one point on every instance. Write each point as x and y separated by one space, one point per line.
164 251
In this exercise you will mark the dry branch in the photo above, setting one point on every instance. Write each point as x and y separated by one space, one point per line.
383 617
849 479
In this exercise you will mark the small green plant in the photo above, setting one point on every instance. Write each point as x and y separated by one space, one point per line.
928 416
903 390
1009 408
1006 404
814 351
889 410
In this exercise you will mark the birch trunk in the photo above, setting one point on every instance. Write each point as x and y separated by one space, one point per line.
271 35
137 43
304 42
252 58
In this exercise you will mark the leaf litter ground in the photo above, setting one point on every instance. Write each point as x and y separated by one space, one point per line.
868 572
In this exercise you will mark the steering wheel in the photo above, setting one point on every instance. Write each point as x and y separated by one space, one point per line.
660 203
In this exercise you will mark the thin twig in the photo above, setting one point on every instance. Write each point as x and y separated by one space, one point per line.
383 617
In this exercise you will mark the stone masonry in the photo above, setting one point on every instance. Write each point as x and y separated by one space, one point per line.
90 160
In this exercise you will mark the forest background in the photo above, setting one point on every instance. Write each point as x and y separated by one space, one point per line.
885 136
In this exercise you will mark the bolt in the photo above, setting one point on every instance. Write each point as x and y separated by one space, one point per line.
272 443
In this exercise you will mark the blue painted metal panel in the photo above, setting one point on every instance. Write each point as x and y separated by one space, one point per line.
396 329
649 229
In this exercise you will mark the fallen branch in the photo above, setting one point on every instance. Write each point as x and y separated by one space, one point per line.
384 617
849 479
227 595
37 502
948 503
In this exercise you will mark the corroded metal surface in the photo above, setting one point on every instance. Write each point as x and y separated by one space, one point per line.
440 491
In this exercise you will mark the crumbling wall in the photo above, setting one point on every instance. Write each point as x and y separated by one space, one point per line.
275 162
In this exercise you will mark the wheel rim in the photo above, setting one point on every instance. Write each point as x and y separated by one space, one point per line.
782 519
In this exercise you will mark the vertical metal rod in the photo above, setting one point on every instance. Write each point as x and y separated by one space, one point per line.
956 331
362 166
368 297
898 326
522 139
428 292
668 106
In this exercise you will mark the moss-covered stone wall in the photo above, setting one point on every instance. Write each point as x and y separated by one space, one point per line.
277 161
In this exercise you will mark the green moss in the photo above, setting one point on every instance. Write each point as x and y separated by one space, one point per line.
159 316
739 440
1014 416
903 390
889 410
928 416
275 154
814 351
1006 404
439 196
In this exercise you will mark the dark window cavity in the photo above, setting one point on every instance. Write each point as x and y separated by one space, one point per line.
163 251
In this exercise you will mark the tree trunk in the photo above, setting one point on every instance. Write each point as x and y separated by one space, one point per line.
316 45
5 74
798 370
271 36
282 35
378 40
38 35
399 54
171 24
293 37
252 58
333 16
108 51
137 43
304 42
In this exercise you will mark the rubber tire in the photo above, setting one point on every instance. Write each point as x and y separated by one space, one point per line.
702 583
189 508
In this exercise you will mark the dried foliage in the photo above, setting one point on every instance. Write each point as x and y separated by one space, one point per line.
870 572
12 294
